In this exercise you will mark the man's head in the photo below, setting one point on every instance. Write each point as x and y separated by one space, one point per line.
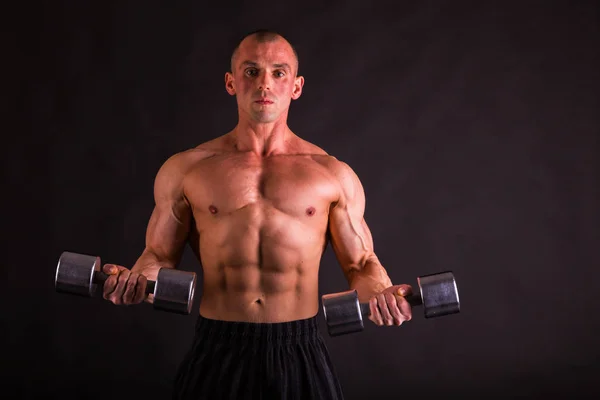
263 36
264 76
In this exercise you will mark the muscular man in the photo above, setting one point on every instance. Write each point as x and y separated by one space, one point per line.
258 206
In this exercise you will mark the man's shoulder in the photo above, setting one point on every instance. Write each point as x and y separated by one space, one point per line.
184 159
213 146
334 165
195 154
319 155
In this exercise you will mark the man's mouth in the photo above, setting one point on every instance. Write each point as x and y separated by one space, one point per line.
264 101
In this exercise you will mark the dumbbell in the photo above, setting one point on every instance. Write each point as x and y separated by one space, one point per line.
81 275
438 294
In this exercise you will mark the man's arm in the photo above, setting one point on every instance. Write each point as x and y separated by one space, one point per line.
353 246
169 224
166 236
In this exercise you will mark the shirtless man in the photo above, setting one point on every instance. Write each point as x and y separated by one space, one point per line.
258 207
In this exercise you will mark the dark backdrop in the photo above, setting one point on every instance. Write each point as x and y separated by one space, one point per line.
473 127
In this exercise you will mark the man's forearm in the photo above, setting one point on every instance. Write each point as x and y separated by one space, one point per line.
148 264
369 279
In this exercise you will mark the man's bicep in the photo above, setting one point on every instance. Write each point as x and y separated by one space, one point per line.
167 232
350 238
169 223
350 235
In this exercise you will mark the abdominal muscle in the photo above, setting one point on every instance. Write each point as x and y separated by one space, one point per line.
260 265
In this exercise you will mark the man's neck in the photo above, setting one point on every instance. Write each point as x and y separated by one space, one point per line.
262 139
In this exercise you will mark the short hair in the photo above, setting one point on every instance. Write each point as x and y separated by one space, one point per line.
263 36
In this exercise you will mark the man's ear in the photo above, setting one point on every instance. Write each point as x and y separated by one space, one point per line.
229 83
298 85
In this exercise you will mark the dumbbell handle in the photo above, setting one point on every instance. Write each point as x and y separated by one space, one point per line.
101 277
413 300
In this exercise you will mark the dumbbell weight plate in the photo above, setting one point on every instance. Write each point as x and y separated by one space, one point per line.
439 294
174 290
343 313
75 274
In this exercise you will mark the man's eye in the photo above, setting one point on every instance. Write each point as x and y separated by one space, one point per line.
250 72
279 74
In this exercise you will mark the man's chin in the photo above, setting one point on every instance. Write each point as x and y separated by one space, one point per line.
264 118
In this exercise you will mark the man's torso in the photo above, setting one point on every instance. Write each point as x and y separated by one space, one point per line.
259 229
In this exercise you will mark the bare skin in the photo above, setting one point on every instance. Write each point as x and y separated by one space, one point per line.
258 206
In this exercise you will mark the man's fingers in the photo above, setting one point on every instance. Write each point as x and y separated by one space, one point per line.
123 286
110 269
117 294
111 282
375 314
404 290
130 288
392 305
404 308
109 286
140 291
403 305
384 310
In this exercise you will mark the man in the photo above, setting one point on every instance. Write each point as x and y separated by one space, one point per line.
258 206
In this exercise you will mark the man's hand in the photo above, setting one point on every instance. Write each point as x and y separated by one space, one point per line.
390 307
124 286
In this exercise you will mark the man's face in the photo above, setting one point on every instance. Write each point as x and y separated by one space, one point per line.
263 79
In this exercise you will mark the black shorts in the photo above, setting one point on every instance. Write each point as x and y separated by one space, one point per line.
239 360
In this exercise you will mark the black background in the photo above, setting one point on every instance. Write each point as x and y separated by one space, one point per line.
473 127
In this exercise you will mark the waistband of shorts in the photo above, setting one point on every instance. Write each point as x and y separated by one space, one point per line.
277 332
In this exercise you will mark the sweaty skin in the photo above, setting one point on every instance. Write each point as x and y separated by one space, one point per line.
258 207
260 225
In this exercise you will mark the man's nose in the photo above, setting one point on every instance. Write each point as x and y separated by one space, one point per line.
264 82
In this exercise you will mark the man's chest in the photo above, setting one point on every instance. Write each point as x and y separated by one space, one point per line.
293 185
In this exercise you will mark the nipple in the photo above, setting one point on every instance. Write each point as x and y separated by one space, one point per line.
310 211
212 209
